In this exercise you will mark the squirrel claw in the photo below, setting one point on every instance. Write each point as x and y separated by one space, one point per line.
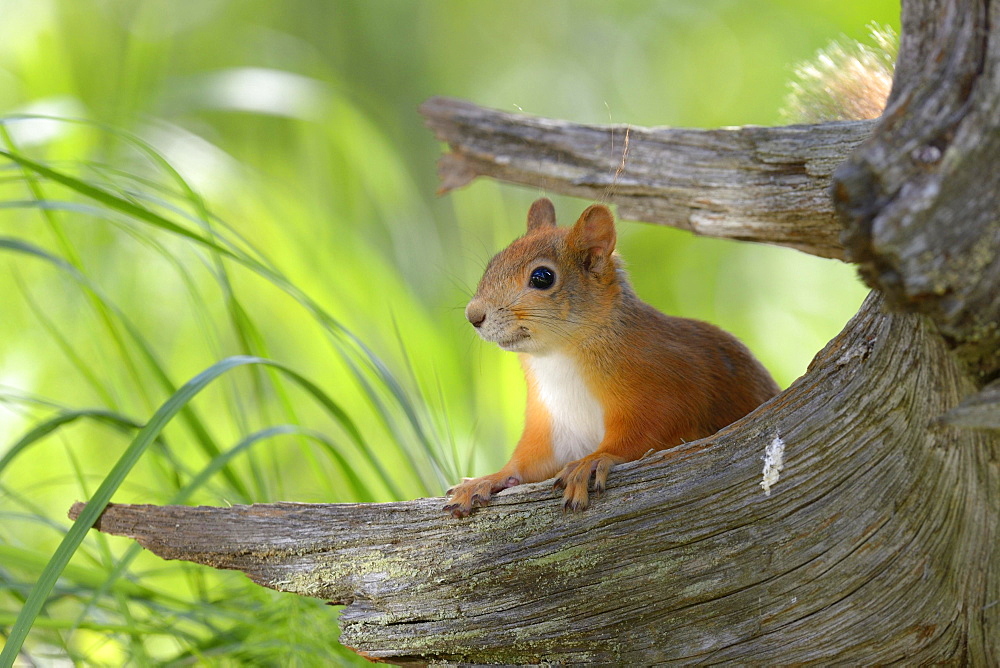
574 506
459 510
473 492
576 476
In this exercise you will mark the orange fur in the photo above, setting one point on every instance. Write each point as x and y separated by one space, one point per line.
660 380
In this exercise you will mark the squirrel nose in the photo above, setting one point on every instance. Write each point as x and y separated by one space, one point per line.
476 314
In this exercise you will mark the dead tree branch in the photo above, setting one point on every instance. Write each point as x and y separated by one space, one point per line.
750 183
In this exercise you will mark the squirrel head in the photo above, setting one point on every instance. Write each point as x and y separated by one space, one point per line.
544 292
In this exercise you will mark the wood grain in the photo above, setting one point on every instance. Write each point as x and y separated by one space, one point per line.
750 183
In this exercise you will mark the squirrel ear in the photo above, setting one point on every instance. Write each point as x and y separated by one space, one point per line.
594 234
541 214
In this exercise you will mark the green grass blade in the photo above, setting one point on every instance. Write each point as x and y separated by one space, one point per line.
114 202
222 460
75 535
85 369
52 623
346 423
89 578
201 434
45 428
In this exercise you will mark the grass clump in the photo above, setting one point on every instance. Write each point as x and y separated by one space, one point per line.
388 454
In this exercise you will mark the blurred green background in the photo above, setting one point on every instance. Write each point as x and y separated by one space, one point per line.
283 141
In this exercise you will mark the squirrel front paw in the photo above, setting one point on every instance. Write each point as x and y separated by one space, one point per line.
473 492
575 477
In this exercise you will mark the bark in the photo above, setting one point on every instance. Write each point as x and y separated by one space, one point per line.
854 518
919 199
749 183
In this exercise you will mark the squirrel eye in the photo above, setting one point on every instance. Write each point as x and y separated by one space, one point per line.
542 278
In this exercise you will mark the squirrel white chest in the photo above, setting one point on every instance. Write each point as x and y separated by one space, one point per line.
577 417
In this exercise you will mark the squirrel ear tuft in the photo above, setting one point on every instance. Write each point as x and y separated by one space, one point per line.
541 214
594 234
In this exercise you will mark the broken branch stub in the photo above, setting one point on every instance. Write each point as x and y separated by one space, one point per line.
684 558
750 183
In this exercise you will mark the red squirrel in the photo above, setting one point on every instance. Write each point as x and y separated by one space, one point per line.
609 377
